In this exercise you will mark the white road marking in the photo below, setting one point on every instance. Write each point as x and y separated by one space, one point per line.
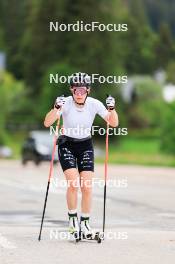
5 243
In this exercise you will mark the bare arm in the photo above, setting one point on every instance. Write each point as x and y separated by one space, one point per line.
112 118
51 117
54 114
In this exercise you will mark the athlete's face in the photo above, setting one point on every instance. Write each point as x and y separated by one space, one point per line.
79 94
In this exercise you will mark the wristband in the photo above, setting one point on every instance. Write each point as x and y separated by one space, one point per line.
111 108
57 106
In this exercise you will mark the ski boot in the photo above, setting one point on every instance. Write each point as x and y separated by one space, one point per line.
74 229
86 233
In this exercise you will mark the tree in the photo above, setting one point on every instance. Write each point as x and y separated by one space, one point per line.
50 91
40 47
92 52
137 11
158 11
12 18
138 44
164 47
11 91
2 45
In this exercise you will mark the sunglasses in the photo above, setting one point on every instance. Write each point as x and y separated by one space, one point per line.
80 91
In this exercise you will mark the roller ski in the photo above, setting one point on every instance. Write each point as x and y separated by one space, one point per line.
87 234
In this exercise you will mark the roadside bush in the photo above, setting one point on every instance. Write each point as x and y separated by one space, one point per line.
147 104
167 129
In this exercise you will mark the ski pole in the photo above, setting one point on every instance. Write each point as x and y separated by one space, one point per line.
105 174
48 184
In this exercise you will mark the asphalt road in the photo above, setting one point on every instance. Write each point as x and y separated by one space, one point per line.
140 220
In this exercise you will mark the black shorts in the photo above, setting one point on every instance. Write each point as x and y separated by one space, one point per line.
76 154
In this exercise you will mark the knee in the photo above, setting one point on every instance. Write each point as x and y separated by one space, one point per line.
86 190
72 187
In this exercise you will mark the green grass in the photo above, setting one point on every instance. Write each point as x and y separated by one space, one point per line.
138 151
130 145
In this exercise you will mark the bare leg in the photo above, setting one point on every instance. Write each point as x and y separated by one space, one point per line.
72 190
86 189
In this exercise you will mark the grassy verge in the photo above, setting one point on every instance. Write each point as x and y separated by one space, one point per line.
138 151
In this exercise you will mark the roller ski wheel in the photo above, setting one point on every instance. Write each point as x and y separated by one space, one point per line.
74 237
98 237
91 237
